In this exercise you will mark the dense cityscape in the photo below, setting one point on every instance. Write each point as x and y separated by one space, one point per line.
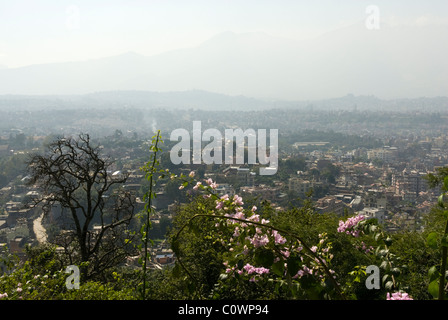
374 170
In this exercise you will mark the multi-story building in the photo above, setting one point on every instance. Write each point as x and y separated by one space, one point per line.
373 213
332 204
299 186
386 154
262 191
409 184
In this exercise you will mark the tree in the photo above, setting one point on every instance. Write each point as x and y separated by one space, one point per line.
73 174
435 239
197 249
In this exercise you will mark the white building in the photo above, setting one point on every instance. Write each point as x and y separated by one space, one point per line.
373 213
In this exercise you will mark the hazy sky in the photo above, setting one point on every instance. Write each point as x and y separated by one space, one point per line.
54 31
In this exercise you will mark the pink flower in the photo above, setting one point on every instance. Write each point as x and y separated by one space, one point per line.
285 253
191 175
239 215
398 296
250 269
197 185
305 271
259 240
278 239
348 225
238 200
254 218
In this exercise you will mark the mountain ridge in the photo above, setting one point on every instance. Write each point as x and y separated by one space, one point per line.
391 63
204 100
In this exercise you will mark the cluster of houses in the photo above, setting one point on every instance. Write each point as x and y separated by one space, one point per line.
383 186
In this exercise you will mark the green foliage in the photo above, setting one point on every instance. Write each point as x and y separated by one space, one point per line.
151 171
42 277
92 290
254 253
439 240
228 249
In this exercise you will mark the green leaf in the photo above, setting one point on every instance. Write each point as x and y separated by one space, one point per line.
264 257
278 268
377 236
445 240
385 265
433 273
293 264
396 271
445 183
385 278
431 240
440 201
389 285
433 288
223 276
388 241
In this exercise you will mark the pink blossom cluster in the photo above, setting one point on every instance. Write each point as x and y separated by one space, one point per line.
249 234
211 183
278 238
348 225
365 248
3 295
398 296
249 270
259 240
322 250
303 272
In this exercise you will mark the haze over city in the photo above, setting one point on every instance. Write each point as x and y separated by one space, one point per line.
292 50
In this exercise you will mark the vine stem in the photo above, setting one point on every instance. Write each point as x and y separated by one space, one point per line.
148 211
307 248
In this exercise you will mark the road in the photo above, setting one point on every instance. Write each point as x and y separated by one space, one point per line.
39 230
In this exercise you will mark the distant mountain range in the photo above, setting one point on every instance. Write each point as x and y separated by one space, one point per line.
209 101
390 63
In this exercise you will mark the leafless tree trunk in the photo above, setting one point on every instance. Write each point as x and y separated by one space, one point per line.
73 174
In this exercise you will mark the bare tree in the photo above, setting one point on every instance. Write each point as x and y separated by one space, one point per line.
72 174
